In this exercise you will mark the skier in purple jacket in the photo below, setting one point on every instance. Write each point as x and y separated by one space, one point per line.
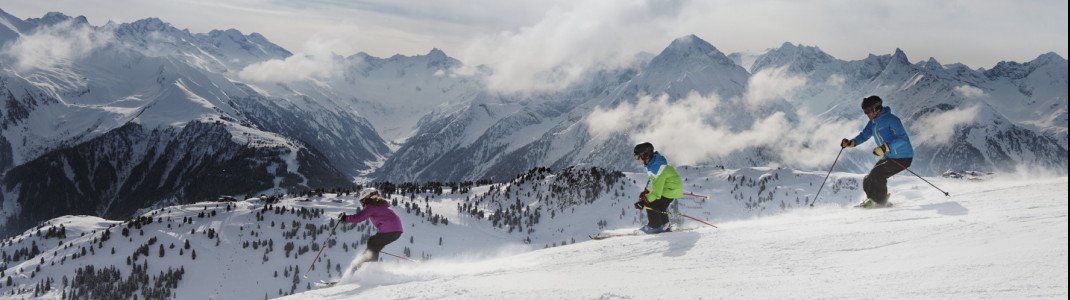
377 209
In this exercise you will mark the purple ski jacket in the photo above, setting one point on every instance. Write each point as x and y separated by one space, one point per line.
383 217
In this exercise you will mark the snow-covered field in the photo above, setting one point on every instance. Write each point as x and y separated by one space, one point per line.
997 236
991 239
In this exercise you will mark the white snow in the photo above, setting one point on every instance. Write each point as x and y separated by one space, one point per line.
994 240
997 237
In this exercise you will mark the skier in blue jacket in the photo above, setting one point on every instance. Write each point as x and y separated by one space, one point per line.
893 146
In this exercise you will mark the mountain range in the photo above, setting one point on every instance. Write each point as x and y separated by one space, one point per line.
142 115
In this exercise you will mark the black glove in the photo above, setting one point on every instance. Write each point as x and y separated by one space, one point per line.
342 216
847 143
880 151
639 204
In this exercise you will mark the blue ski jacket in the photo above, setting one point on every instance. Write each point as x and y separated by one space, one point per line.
887 129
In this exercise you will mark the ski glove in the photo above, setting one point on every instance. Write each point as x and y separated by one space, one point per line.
880 151
639 204
342 216
847 143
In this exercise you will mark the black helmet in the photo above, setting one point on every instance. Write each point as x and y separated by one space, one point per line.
872 102
644 151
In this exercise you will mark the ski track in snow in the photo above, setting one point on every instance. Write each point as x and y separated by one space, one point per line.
1001 240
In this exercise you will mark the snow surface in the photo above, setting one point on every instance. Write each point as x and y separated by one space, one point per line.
996 236
999 240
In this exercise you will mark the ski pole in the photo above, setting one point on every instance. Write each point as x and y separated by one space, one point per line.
680 214
919 177
826 177
401 257
323 247
704 197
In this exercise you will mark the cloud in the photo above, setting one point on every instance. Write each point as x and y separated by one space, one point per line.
939 127
845 29
695 129
672 126
836 80
969 91
568 43
317 62
771 84
56 45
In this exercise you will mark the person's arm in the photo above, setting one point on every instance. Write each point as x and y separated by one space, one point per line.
359 217
865 134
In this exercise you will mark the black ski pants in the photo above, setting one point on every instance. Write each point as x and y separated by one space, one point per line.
876 183
380 240
659 216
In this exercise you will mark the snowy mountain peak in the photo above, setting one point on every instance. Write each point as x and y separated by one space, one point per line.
809 51
900 57
802 58
1016 70
686 52
437 55
258 38
691 44
254 43
931 65
53 18
148 25
232 33
434 59
1049 57
933 62
689 64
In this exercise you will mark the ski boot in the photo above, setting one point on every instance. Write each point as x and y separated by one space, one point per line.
652 230
870 203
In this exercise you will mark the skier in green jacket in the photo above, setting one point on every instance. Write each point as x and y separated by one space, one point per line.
663 187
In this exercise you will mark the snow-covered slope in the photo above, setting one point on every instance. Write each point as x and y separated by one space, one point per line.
1003 240
465 232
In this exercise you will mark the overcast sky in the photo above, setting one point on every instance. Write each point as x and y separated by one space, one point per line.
581 33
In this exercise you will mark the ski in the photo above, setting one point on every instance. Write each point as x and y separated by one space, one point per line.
325 284
606 235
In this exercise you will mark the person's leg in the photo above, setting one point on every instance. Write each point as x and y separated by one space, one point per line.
650 216
659 217
869 181
375 245
877 180
380 240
